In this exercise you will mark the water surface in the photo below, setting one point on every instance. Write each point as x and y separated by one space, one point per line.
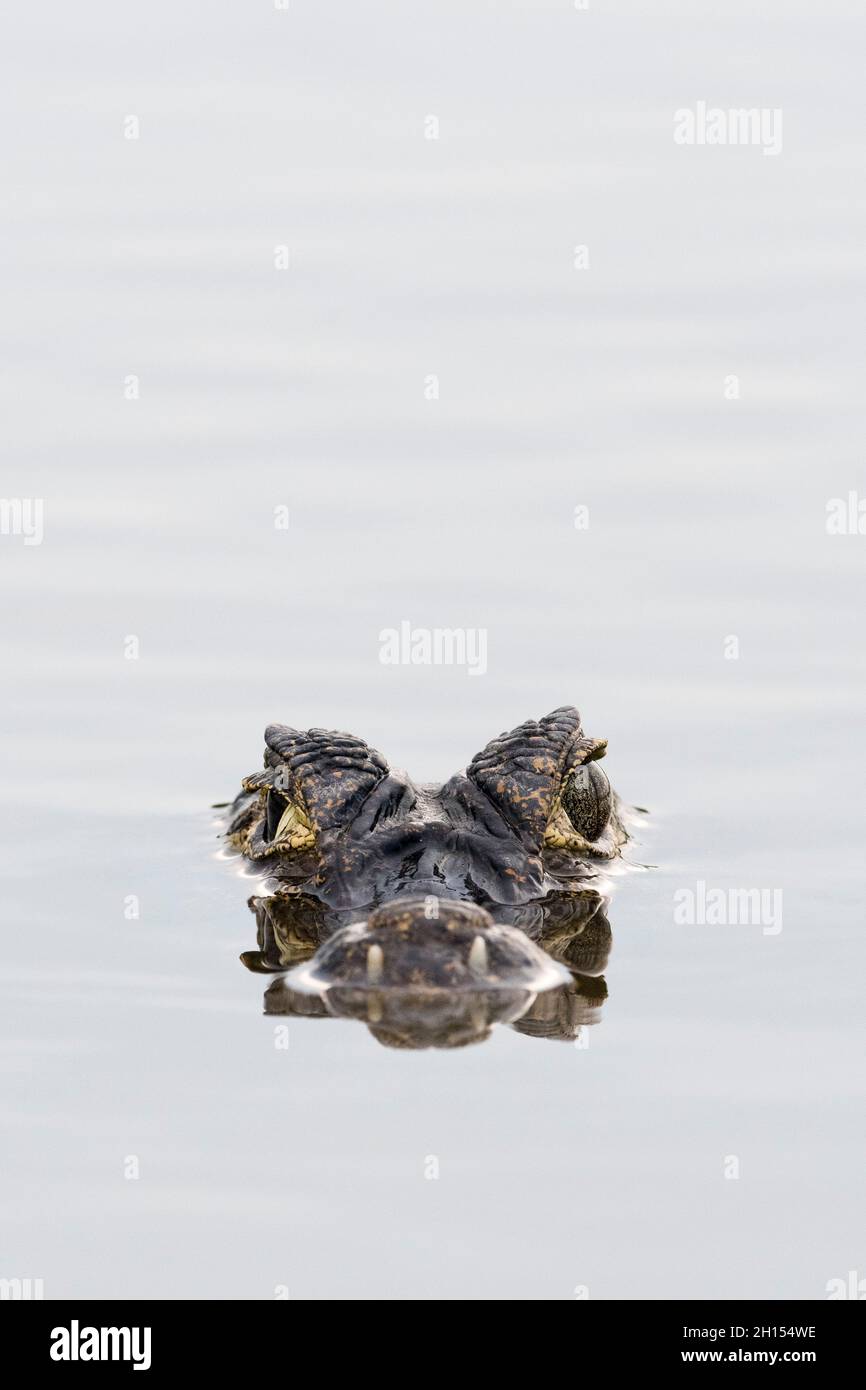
307 1169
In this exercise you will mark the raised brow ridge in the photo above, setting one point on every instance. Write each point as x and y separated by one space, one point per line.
520 771
331 772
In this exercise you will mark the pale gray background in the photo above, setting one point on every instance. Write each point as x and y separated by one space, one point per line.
559 1167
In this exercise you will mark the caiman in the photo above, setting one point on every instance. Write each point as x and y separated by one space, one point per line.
432 912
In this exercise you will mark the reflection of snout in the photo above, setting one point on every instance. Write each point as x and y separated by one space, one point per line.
428 944
408 1018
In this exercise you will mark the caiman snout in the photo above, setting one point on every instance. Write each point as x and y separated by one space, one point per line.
426 944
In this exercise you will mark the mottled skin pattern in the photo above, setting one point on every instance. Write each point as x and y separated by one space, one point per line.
452 885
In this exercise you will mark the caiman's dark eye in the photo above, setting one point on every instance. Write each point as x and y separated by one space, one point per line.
586 800
286 824
276 806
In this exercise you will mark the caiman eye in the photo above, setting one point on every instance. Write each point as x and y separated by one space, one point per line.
586 800
286 825
276 805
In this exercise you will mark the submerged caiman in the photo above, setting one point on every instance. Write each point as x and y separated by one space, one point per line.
432 912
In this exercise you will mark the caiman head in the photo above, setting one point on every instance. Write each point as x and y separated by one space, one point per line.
405 891
530 814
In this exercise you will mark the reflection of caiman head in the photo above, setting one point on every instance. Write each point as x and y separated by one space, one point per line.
433 912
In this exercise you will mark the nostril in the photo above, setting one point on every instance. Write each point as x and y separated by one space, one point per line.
430 912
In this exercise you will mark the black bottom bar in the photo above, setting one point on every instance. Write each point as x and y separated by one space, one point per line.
159 1339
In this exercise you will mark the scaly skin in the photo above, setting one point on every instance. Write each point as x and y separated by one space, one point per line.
519 840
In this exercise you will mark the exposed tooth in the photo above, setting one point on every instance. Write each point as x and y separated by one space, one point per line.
374 1009
478 956
375 964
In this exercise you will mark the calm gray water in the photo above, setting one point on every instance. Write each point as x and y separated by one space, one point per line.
709 1140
